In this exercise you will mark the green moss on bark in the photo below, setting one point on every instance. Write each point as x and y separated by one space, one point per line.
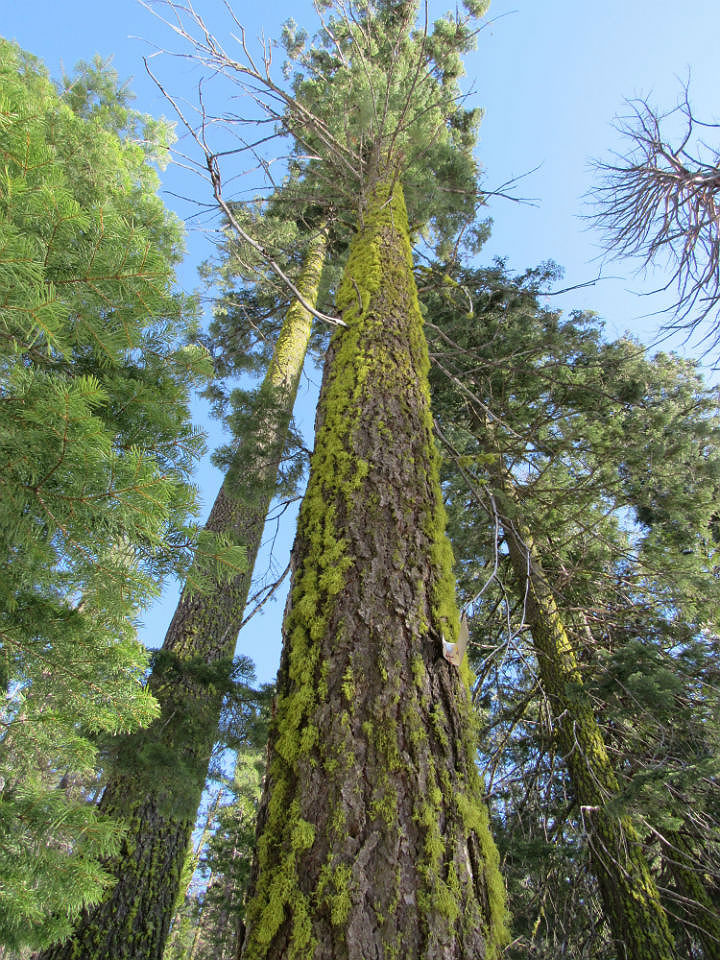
630 895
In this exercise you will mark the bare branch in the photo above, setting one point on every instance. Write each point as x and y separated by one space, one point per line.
211 160
662 202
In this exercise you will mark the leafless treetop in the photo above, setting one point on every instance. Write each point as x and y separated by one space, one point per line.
661 203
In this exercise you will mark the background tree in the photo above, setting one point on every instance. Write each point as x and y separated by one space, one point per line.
586 432
210 921
97 448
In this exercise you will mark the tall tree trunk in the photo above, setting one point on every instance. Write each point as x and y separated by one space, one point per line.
636 918
373 839
159 803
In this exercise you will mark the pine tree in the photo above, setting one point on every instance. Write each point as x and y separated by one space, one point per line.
97 448
554 428
399 861
402 860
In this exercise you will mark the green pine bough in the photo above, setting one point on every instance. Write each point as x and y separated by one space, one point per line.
97 448
158 788
373 836
697 903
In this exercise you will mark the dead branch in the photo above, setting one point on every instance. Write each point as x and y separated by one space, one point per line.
661 202
211 161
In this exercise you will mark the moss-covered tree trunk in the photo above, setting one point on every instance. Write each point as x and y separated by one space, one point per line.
698 905
633 910
159 796
373 839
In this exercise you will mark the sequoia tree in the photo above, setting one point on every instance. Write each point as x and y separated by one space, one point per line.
96 448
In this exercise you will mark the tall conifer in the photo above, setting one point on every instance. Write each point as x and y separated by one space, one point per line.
96 448
610 459
375 104
373 839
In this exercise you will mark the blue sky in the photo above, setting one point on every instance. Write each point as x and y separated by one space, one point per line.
550 76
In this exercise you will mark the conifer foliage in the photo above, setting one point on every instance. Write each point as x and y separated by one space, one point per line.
594 576
579 488
157 786
96 446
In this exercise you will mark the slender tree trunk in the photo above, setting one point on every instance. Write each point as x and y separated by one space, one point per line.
217 930
373 839
160 802
633 910
180 921
222 921
700 911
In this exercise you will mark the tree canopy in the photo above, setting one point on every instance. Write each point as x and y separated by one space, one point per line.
97 448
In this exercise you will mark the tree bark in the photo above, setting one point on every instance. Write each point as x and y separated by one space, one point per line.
698 909
159 803
635 915
373 838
